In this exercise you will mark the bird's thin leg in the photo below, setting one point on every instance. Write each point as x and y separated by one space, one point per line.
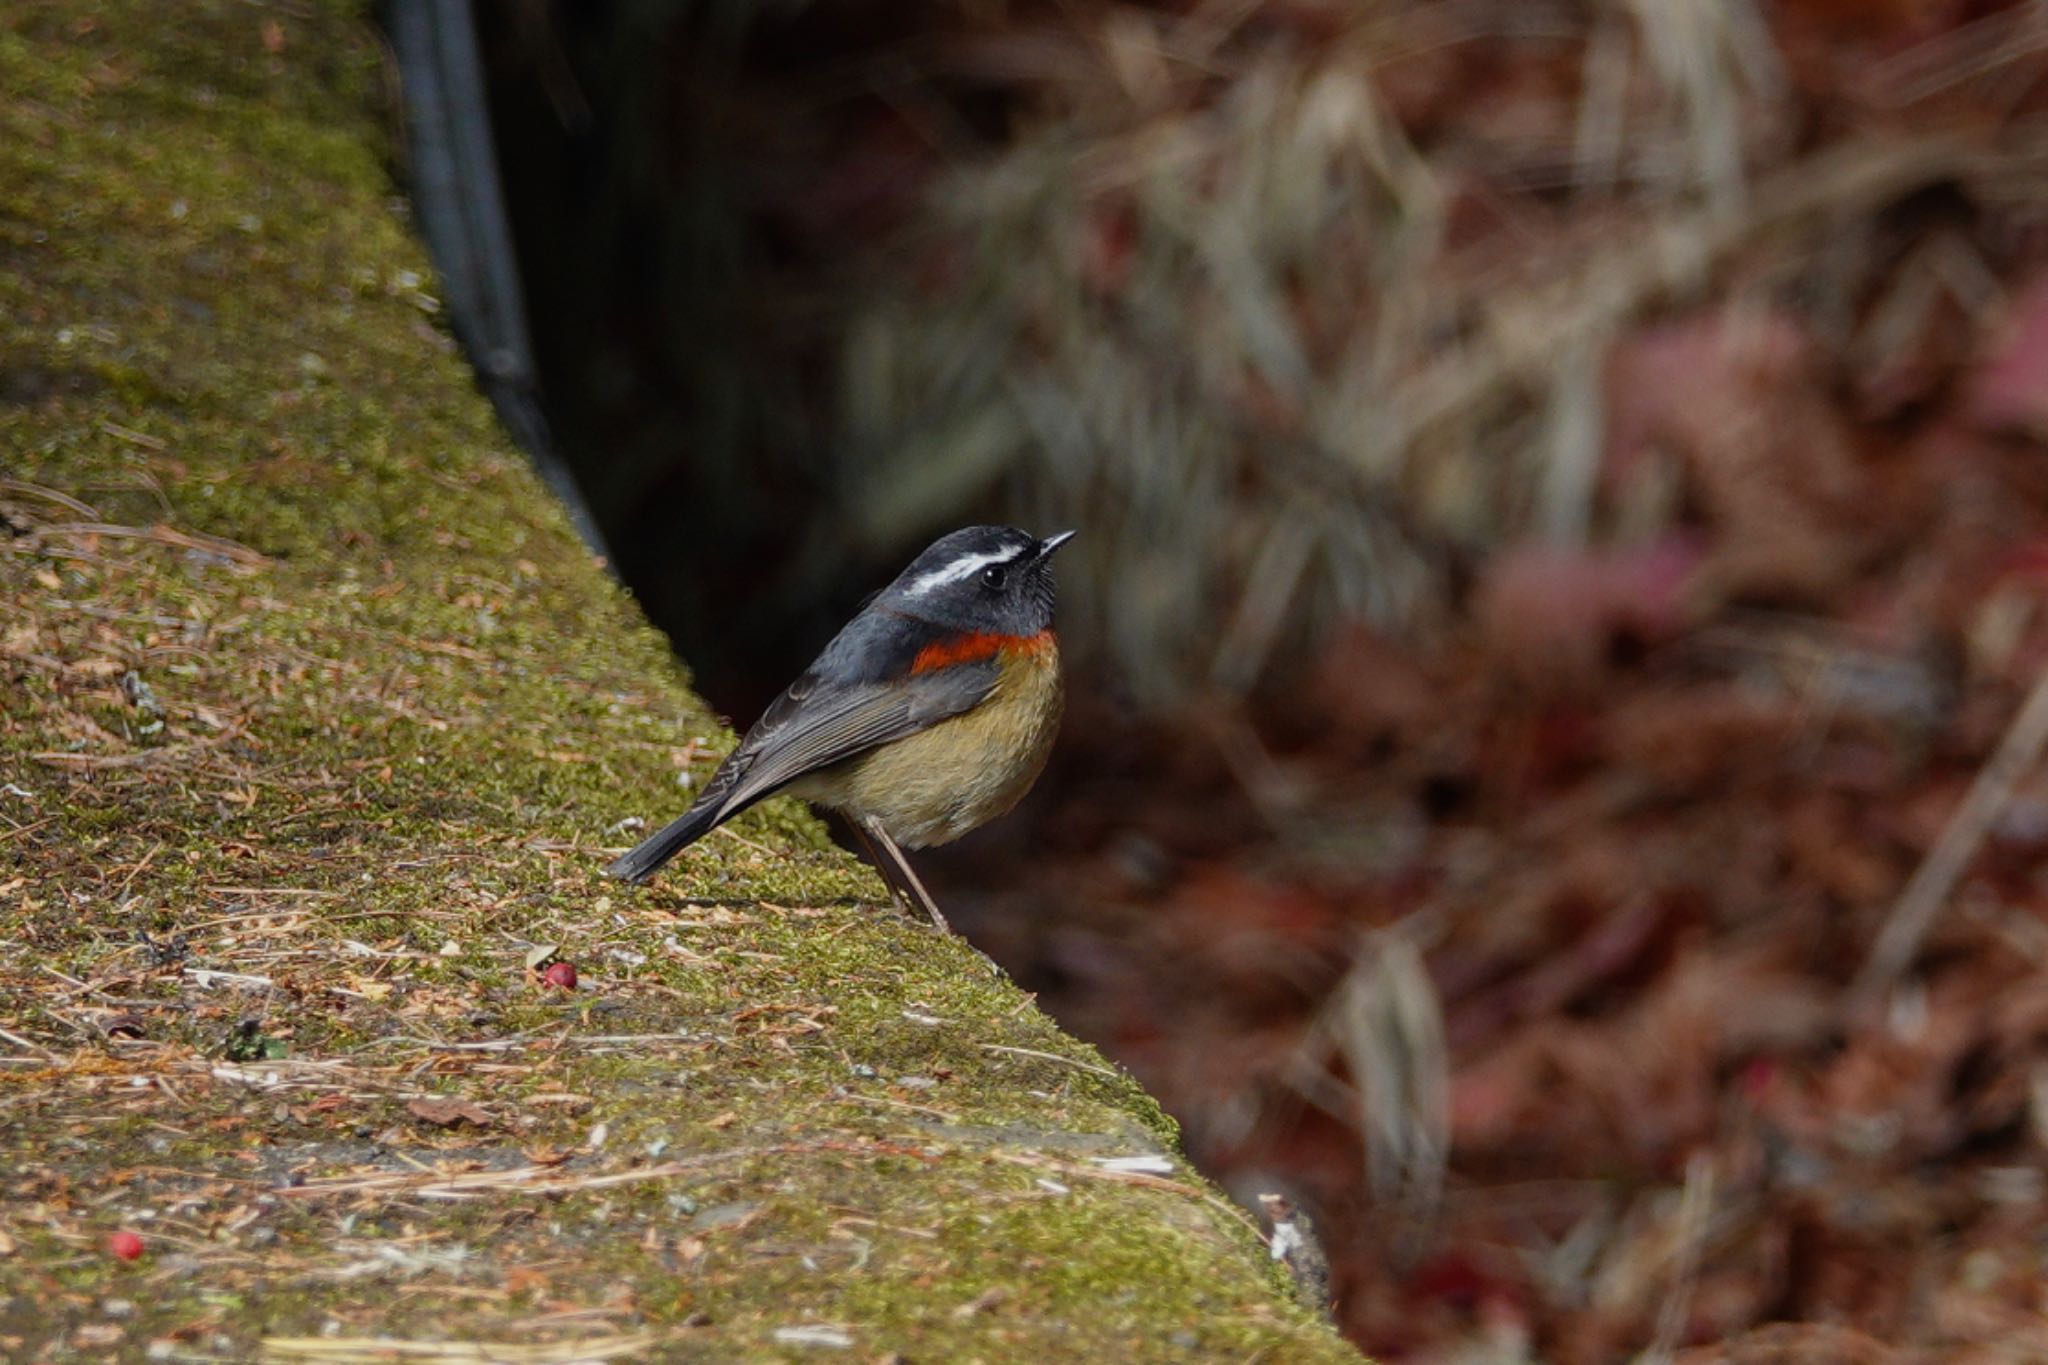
895 870
881 865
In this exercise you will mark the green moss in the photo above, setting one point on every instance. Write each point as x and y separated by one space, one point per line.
383 764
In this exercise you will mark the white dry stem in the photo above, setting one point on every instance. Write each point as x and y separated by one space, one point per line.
1914 911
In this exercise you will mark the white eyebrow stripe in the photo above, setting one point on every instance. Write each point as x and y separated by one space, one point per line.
964 567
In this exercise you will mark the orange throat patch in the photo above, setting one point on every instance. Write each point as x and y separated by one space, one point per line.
973 646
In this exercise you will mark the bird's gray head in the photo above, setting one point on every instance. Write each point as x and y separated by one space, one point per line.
995 579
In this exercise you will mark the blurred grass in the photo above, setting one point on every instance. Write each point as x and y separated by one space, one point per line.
1301 309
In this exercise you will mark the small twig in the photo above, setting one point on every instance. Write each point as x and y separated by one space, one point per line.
1695 1213
729 832
206 976
369 1350
1140 1179
106 614
887 1102
28 1046
36 490
136 438
162 535
534 1179
146 757
137 870
1914 911
862 1220
616 1038
517 1040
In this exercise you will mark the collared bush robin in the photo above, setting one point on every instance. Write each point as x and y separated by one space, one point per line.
929 714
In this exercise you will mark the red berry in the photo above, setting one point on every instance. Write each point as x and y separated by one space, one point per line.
125 1245
561 974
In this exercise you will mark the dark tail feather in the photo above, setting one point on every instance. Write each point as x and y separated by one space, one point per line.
655 850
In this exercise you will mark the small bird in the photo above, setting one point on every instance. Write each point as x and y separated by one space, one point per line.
930 713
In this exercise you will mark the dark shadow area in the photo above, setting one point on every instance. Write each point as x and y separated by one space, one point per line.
689 190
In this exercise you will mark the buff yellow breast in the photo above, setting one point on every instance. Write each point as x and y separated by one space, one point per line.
936 785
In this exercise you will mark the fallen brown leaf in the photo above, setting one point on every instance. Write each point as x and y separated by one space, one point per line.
448 1113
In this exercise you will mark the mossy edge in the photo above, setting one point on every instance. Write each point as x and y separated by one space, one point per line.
257 927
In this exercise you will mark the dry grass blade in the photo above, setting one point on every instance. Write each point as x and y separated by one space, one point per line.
369 1350
1528 331
23 488
48 1056
146 758
1388 1024
1694 1217
1961 54
1914 911
1385 1023
163 535
1050 1057
533 1179
1143 1179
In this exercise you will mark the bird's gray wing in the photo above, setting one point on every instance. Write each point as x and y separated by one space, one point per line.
815 724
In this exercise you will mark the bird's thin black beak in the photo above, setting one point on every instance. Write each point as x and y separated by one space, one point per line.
1051 543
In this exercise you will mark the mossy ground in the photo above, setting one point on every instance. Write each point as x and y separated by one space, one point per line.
318 722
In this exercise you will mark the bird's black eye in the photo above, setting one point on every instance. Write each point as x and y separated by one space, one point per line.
994 577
